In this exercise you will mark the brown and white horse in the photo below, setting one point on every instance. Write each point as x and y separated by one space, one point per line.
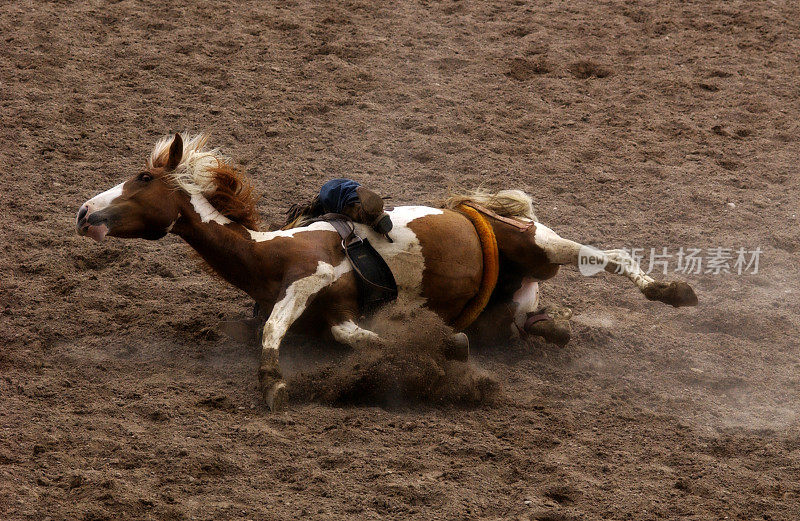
301 275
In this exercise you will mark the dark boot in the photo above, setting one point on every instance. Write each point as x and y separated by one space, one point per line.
369 211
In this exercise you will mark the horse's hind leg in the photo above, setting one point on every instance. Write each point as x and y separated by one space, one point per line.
530 318
564 251
675 293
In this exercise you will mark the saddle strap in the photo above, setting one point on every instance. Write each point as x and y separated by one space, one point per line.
491 267
343 224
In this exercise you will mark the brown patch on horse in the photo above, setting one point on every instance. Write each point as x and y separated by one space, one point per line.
233 196
453 267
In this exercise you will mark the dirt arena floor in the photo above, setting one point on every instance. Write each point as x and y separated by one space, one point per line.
633 124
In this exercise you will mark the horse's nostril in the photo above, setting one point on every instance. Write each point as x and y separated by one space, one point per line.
82 213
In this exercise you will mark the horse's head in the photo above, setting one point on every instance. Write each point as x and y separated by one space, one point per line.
181 181
145 206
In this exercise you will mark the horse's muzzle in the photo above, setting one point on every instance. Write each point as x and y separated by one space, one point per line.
91 224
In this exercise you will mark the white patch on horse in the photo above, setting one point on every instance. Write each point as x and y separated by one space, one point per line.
526 299
622 262
357 337
206 210
101 201
268 236
558 249
404 255
564 251
296 299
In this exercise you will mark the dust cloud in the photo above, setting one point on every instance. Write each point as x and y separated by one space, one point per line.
409 368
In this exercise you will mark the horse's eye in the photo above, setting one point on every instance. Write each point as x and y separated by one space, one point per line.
145 177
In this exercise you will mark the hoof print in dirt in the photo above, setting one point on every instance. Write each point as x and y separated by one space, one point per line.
521 69
585 69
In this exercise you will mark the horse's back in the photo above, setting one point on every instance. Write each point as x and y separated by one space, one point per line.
435 257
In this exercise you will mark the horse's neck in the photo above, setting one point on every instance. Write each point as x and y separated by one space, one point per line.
226 246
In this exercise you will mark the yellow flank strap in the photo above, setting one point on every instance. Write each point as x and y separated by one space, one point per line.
491 268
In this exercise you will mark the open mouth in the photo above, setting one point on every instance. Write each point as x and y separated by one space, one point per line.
97 230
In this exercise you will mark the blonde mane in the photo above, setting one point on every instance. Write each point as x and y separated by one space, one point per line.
208 173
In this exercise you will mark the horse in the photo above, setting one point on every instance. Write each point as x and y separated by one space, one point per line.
301 276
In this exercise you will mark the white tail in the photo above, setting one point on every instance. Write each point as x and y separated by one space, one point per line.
508 203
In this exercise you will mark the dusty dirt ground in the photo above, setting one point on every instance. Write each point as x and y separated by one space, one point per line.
632 124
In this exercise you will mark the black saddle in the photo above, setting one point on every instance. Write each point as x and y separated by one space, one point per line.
376 284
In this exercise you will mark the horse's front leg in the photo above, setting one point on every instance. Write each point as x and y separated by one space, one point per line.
294 300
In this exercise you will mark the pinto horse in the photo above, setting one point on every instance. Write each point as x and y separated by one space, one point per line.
301 275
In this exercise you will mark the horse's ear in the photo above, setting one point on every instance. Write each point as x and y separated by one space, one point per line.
175 152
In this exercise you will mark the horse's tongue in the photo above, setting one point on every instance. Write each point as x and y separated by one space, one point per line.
97 232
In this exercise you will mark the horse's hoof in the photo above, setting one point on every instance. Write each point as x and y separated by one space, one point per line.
552 324
276 396
556 332
457 348
676 294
